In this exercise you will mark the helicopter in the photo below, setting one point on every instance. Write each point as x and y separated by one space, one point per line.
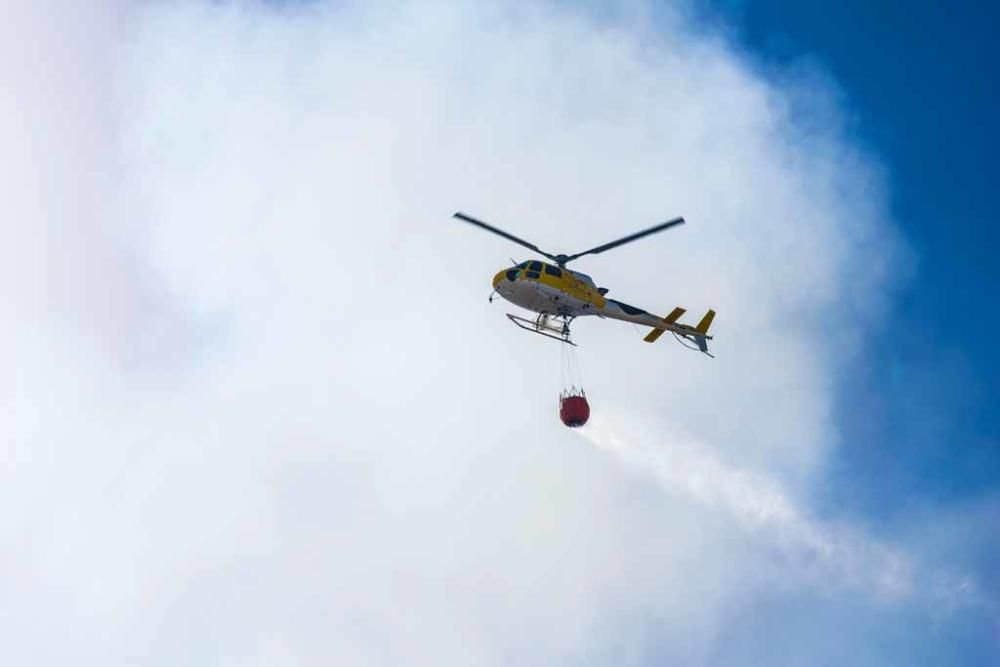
559 295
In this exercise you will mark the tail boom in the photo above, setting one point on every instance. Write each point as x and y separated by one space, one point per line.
697 334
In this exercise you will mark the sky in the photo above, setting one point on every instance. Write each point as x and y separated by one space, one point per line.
921 97
258 409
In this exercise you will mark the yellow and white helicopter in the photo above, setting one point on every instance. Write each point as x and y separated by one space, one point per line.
559 295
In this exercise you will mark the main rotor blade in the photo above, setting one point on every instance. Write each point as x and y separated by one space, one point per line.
500 232
627 239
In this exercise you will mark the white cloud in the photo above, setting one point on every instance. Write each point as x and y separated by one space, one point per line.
828 556
267 416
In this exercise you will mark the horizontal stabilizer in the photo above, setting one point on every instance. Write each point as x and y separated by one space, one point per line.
653 335
674 315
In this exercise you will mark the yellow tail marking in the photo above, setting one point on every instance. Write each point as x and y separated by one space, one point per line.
653 335
674 315
705 323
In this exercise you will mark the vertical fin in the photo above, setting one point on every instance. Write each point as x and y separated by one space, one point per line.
705 323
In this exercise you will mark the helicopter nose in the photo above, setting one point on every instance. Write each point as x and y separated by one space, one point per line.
509 274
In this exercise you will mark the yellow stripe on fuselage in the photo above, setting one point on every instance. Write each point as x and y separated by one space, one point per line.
572 286
566 283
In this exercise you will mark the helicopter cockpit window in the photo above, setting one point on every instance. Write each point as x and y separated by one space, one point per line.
523 265
553 270
535 266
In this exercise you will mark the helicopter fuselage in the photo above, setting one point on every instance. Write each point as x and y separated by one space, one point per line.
558 291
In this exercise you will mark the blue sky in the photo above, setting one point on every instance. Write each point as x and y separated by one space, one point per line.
919 413
921 83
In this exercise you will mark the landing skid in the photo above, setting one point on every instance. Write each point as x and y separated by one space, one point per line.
555 327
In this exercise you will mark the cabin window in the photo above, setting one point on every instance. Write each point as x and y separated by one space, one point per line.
534 275
535 266
553 271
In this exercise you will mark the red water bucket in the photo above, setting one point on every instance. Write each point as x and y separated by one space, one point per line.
574 410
